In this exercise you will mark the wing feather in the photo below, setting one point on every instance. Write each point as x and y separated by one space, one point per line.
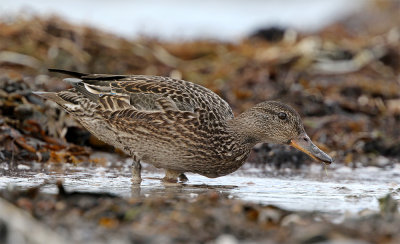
147 93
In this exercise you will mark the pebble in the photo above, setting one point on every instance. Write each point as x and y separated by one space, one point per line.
226 239
382 161
344 170
23 167
292 219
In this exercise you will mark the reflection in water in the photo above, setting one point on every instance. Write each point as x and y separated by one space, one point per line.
344 190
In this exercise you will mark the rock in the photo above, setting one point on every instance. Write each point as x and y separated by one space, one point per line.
16 226
226 239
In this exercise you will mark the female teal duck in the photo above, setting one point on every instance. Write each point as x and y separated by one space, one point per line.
175 124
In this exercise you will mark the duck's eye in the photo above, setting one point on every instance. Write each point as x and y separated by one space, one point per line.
282 115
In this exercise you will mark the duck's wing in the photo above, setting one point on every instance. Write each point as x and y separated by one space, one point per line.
146 93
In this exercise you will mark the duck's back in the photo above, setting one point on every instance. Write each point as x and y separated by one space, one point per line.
143 92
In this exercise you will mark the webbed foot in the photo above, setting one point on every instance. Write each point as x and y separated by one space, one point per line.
172 176
182 177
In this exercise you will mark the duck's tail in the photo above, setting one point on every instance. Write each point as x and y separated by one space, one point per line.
51 96
67 100
67 72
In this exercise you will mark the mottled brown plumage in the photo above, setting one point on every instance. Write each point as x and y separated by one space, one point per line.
177 125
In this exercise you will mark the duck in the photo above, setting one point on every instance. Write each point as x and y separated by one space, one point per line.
177 125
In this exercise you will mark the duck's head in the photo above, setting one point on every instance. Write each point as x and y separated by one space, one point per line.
276 122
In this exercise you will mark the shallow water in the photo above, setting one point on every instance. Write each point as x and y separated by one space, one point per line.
342 192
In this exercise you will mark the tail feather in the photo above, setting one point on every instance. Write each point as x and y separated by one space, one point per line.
52 96
67 72
93 79
67 100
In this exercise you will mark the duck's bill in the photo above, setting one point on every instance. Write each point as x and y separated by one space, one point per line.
304 144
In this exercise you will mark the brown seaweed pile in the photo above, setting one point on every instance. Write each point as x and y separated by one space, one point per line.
344 81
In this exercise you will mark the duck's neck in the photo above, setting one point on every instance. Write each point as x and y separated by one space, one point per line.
240 129
232 145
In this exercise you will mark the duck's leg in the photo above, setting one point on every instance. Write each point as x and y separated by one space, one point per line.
136 168
172 176
136 172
